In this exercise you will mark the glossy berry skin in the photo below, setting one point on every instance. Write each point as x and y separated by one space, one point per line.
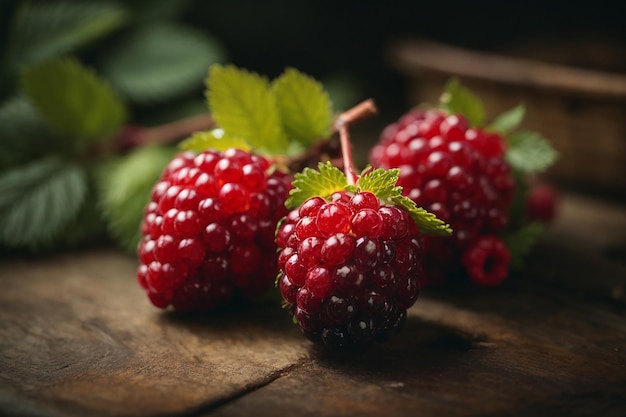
208 231
457 173
486 260
350 268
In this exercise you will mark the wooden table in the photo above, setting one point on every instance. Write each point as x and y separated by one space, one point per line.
78 338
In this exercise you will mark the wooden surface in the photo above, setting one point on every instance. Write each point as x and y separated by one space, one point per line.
78 338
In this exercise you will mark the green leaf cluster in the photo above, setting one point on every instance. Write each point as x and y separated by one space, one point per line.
284 116
328 179
458 99
60 119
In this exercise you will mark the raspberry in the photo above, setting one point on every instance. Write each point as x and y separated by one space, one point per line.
486 260
350 268
208 231
541 203
455 172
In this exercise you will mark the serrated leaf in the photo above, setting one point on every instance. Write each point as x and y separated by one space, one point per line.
458 99
381 183
530 152
38 201
159 62
213 139
427 222
508 121
125 186
24 135
304 106
73 99
521 241
310 183
243 105
41 31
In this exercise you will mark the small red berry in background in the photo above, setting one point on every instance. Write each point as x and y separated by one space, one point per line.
542 203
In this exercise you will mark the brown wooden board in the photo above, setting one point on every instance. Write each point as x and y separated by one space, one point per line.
78 338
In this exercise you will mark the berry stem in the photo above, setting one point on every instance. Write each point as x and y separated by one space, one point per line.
360 111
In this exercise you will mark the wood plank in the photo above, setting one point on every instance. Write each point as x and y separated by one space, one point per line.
78 337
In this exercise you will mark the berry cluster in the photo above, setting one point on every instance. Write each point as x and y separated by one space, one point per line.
459 174
208 230
350 268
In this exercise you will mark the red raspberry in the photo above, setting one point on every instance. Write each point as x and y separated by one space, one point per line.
456 172
486 261
541 203
350 268
208 231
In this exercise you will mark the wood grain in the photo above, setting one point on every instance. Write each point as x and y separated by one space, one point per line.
77 337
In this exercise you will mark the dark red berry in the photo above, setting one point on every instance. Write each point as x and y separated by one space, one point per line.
353 264
208 230
456 172
486 261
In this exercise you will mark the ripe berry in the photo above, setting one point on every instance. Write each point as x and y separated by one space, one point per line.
208 232
541 203
350 268
455 172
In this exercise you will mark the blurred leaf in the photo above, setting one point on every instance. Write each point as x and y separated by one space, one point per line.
148 12
23 133
38 201
508 121
125 187
73 99
458 99
41 31
530 152
214 139
243 105
521 241
344 91
304 106
159 62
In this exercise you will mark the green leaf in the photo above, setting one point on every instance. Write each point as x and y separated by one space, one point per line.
243 105
24 135
41 31
213 139
530 152
509 121
521 242
149 12
381 183
427 222
159 62
304 106
458 99
73 99
125 187
38 200
310 183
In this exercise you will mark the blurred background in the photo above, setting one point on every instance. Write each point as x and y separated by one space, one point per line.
154 55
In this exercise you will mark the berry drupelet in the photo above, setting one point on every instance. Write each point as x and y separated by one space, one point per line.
208 231
350 268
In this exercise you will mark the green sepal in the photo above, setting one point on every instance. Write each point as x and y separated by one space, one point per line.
458 99
73 99
305 107
213 139
322 182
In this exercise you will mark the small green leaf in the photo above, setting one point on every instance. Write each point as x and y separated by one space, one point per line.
508 121
304 106
244 106
310 183
427 222
382 183
24 135
41 30
125 186
38 201
530 152
73 99
213 139
458 99
158 62
521 241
